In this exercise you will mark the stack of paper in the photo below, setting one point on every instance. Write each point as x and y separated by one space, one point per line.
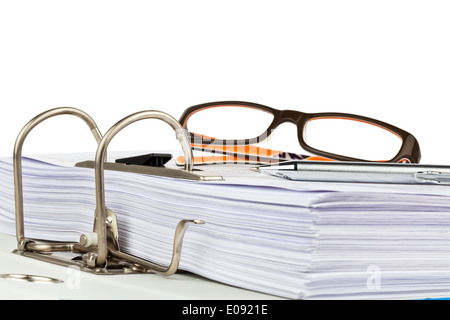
381 245
291 239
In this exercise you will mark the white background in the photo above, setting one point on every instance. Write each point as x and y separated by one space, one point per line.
388 60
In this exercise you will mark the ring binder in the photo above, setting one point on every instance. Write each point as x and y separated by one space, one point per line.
98 252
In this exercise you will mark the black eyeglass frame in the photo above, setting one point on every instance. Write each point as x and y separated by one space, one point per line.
409 151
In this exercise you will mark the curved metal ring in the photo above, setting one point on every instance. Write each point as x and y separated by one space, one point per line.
17 159
99 167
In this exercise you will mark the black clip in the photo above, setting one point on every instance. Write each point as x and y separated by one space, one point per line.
151 160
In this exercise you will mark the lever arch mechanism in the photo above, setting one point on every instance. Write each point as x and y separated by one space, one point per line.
97 252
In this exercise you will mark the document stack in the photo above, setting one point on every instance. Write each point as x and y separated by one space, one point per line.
293 239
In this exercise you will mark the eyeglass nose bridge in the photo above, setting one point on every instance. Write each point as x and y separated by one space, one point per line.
291 116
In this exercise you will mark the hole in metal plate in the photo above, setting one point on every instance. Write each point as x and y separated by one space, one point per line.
30 278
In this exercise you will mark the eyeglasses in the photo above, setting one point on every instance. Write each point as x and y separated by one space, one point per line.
336 136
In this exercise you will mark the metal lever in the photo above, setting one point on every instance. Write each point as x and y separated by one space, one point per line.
176 254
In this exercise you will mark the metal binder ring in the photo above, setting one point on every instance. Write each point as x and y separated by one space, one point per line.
99 168
17 159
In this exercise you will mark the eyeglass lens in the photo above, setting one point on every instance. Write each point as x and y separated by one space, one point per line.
230 122
351 138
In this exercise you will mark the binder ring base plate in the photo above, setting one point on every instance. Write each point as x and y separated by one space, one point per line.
114 266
